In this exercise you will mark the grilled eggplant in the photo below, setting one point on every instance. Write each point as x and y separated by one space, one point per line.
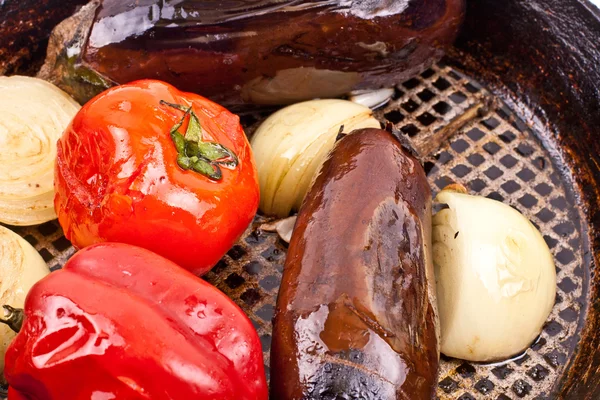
266 52
356 314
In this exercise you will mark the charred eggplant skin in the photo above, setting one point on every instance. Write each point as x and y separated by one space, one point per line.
356 314
269 52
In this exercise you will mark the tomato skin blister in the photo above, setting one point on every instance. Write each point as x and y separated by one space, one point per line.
117 177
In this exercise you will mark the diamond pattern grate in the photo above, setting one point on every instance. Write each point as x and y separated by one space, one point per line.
495 156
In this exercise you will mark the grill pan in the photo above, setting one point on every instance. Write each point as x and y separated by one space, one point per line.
513 113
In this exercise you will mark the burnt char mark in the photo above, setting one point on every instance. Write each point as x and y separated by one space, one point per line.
344 379
25 26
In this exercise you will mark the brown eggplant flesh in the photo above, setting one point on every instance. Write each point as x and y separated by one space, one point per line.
356 314
267 52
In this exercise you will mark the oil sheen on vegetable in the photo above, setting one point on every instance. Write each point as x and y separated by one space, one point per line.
356 313
268 51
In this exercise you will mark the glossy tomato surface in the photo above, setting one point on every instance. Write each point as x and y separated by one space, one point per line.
117 178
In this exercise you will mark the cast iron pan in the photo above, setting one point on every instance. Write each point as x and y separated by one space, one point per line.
513 113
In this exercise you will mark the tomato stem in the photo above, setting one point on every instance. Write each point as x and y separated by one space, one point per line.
193 153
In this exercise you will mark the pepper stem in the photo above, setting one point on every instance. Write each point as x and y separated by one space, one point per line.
13 317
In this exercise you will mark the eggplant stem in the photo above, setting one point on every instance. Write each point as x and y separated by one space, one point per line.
13 317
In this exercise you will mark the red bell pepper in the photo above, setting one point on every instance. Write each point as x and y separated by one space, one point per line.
120 322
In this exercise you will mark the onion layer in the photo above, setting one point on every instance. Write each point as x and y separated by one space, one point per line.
291 145
33 115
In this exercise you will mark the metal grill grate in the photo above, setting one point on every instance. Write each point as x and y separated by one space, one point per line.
496 156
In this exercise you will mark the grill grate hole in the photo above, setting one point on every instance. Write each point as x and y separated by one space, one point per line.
266 312
410 106
567 285
545 215
236 252
541 342
411 83
466 370
461 170
507 137
444 157
48 228
526 174
397 93
269 283
568 314
484 386
521 388
538 372
428 73
476 159
491 123
410 129
32 240
253 268
495 196
493 172
448 385
555 358
442 108
234 281
443 181
454 75
477 185
426 119
508 161
502 371
441 84
543 189
492 147
458 97
46 255
528 200
510 187
251 297
395 117
475 134
471 88
426 95
524 149
553 328
460 145
565 256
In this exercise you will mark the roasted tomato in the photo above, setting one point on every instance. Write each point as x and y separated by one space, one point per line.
149 165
